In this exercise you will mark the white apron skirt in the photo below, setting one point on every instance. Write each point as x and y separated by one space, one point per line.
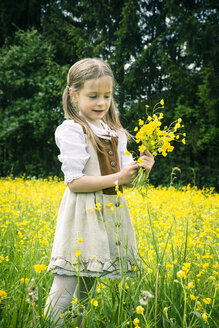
109 245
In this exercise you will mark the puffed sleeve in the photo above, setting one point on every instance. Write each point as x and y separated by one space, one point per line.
122 147
70 139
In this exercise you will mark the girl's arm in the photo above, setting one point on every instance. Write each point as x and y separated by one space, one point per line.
96 183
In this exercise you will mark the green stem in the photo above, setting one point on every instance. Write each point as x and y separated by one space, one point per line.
156 290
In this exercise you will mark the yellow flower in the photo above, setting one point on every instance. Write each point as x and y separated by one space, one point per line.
24 280
121 206
179 120
184 141
171 134
94 302
186 267
207 300
109 205
78 253
3 294
134 268
181 274
193 297
190 285
98 205
40 267
136 322
206 265
205 317
147 106
62 315
127 153
165 310
139 309
99 287
142 148
140 161
140 122
80 240
119 193
136 129
74 301
126 286
162 102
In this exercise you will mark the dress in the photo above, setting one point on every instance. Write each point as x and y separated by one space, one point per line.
100 218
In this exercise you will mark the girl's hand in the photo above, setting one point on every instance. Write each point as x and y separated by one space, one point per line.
148 161
128 173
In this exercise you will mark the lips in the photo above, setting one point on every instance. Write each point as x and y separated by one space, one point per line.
98 111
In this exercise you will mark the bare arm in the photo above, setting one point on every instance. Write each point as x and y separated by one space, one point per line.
96 183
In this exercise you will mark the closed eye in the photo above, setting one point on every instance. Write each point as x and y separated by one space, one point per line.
94 97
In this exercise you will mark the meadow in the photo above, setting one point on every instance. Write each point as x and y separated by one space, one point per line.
175 286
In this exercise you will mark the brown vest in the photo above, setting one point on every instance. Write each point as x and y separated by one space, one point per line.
109 160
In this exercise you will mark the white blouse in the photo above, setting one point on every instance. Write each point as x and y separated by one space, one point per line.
71 140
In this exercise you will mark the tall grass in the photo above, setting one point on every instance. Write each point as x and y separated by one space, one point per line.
174 286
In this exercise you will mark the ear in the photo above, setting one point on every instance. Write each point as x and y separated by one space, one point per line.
73 95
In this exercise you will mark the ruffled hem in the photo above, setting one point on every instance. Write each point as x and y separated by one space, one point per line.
70 178
92 268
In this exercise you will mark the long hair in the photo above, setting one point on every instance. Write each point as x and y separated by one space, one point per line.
81 71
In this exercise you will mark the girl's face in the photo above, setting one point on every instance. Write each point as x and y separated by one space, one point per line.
94 99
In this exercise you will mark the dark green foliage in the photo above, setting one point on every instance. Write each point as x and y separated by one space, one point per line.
30 84
21 14
157 49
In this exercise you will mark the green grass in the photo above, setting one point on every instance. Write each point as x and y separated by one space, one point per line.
176 232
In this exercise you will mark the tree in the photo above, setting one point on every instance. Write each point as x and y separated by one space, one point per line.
179 64
157 49
20 14
30 100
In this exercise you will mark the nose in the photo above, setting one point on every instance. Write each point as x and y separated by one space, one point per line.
101 101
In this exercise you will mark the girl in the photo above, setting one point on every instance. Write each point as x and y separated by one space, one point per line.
94 234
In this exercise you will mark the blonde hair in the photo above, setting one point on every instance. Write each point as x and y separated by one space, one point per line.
81 71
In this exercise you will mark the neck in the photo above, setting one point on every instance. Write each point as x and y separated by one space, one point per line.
97 124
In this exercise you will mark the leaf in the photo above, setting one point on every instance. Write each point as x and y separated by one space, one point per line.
198 315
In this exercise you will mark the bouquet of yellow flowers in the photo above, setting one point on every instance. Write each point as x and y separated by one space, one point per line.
156 140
